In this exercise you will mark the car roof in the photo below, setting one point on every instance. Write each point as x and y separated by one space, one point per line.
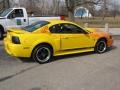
58 21
53 22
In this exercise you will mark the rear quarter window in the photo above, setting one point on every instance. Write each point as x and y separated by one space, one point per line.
35 26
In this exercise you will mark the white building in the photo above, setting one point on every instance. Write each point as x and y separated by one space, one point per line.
82 12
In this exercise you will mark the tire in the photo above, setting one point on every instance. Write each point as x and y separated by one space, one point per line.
1 32
1 35
42 54
101 46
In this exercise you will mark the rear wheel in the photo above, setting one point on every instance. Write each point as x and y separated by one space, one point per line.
101 46
42 54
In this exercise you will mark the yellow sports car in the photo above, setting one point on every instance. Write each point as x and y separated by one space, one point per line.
44 39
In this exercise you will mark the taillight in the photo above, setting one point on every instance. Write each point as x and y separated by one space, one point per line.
15 40
62 17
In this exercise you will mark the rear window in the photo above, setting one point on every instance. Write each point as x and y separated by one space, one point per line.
35 26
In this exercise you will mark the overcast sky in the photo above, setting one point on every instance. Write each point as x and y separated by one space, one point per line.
117 1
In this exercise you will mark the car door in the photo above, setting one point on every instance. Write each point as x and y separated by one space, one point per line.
73 37
55 34
16 19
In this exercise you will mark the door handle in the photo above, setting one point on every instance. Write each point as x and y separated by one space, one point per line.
66 38
24 20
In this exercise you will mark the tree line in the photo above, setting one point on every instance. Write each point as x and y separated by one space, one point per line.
98 8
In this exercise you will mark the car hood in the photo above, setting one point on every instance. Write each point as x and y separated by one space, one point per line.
2 17
93 30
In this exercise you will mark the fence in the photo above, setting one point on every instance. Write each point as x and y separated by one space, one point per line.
98 22
112 31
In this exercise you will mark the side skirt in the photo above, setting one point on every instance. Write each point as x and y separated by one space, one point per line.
73 51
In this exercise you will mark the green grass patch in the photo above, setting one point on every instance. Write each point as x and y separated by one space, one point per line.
99 22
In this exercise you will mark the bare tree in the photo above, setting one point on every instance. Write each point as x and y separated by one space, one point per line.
4 4
72 4
92 9
43 7
63 9
109 8
116 6
104 8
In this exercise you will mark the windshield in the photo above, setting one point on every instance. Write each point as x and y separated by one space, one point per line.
35 26
5 12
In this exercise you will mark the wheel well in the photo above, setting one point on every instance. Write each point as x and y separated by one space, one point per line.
103 38
95 49
2 29
47 44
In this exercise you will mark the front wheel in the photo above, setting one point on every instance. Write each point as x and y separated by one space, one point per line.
101 46
42 54
1 35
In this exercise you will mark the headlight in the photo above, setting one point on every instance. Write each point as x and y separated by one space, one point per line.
15 40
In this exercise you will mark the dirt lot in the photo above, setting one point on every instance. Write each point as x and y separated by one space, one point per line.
87 71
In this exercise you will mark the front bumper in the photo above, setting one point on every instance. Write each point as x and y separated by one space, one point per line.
110 42
16 50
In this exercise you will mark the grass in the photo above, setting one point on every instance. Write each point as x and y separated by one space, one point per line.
99 22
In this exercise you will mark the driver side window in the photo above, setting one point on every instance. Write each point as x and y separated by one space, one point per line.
55 28
71 29
66 28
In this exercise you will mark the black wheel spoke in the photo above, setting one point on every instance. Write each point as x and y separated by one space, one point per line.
43 54
101 46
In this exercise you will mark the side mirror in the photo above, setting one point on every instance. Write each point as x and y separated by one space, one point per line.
84 32
12 16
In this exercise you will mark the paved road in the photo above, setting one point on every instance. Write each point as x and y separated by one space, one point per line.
11 65
87 71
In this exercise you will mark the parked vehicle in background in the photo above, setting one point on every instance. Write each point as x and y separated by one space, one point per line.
18 17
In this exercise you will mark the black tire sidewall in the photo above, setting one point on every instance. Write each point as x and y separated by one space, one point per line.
35 51
1 38
96 46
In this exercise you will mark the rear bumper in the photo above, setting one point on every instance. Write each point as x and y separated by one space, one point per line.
16 50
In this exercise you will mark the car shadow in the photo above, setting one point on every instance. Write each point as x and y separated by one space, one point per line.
82 54
111 48
27 60
56 58
71 56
